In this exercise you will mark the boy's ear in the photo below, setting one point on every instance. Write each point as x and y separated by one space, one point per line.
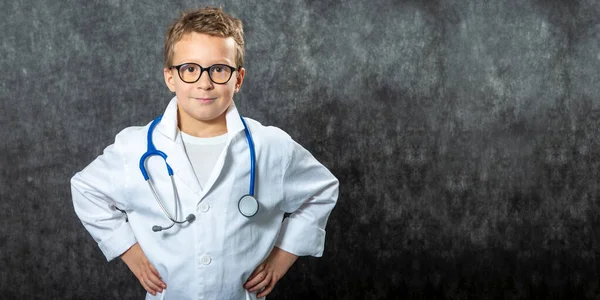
239 79
169 80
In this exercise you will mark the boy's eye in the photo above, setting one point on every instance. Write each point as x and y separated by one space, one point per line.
189 68
217 69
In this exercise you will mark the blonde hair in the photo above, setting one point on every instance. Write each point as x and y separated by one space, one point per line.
207 20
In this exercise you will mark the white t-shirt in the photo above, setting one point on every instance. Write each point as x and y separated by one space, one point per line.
203 154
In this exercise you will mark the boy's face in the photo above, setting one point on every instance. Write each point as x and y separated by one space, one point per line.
203 104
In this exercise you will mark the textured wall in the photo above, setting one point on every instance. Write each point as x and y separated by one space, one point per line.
464 134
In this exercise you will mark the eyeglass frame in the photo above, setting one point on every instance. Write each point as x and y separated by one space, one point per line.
202 69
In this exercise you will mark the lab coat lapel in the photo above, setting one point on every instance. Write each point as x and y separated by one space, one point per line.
176 155
234 127
182 167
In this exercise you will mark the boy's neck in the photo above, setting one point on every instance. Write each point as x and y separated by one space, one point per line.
203 129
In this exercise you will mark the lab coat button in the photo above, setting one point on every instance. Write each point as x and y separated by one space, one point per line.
205 260
204 207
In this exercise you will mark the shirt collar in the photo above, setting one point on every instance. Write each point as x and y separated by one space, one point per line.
168 124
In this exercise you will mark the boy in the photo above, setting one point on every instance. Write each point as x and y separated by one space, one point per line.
211 241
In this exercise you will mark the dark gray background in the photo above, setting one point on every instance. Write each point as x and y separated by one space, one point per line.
464 134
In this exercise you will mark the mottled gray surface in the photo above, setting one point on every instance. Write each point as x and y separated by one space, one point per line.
464 133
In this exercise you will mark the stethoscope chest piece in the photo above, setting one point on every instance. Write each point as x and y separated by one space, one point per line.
248 205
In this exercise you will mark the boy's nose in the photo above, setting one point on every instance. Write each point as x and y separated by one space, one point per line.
204 81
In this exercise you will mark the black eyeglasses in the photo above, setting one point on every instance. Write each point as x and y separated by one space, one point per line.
191 72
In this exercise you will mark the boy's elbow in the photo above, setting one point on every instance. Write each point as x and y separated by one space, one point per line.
334 188
76 180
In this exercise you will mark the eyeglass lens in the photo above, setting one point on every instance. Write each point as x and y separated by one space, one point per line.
217 73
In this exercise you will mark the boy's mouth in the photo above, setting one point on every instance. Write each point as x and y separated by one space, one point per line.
205 100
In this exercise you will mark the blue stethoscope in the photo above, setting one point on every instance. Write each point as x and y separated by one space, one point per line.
247 205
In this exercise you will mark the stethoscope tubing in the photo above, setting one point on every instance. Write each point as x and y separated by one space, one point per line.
252 156
161 204
151 151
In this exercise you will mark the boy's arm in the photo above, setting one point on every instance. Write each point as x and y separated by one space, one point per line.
310 192
96 190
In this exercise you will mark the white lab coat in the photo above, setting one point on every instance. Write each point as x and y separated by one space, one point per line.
212 257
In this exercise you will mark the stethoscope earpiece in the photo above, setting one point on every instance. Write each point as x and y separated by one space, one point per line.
190 218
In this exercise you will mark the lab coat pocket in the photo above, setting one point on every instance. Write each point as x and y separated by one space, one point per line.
252 296
159 296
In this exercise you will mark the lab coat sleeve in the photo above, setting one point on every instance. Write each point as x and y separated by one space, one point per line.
310 192
95 190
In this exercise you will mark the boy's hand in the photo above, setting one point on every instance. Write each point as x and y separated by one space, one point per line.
145 272
268 273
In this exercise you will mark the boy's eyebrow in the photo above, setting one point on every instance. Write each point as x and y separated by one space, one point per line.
216 62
